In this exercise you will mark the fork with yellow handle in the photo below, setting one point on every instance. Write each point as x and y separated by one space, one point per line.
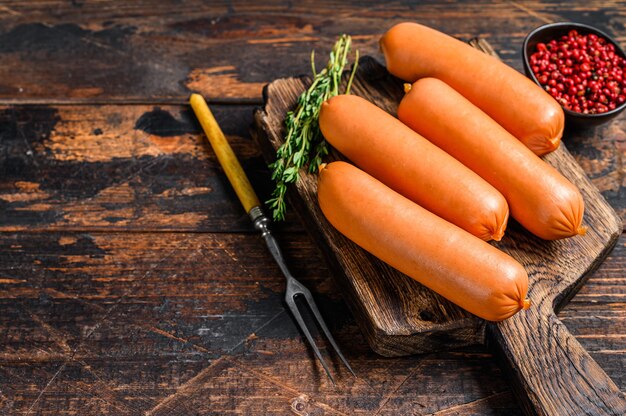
238 179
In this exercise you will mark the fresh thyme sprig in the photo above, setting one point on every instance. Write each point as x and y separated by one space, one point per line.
304 144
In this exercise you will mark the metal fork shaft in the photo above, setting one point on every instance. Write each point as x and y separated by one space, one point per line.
295 288
261 223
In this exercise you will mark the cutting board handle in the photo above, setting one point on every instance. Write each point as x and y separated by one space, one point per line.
550 371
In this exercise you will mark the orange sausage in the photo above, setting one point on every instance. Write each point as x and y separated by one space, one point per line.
394 154
413 51
539 197
462 268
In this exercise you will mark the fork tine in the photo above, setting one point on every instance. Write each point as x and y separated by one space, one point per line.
320 321
296 313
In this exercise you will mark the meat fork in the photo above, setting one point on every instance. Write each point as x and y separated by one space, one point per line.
251 204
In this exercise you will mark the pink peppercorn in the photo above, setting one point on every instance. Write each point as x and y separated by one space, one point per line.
582 72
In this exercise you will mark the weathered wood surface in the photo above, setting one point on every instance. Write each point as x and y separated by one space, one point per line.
142 51
124 321
95 316
117 168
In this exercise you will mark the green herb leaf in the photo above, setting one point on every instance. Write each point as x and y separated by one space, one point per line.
304 144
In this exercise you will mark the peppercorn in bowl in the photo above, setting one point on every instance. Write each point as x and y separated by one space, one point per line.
581 67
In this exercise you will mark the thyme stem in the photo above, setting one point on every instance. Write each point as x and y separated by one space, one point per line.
304 145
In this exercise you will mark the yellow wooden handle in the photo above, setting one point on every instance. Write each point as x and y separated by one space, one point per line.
225 154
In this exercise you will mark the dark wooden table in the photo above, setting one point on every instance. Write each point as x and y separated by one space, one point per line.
131 282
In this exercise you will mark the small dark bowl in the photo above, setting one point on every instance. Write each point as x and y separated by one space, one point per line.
551 31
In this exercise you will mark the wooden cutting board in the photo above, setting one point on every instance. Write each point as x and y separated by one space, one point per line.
551 372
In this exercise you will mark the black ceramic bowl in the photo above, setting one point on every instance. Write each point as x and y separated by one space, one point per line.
551 31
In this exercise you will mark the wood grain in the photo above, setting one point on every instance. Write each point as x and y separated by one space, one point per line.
118 168
158 52
173 311
126 323
387 303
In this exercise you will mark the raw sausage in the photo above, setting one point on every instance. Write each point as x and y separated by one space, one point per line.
539 197
462 268
413 51
394 154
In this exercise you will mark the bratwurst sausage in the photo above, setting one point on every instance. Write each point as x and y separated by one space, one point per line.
539 197
413 51
462 268
394 154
